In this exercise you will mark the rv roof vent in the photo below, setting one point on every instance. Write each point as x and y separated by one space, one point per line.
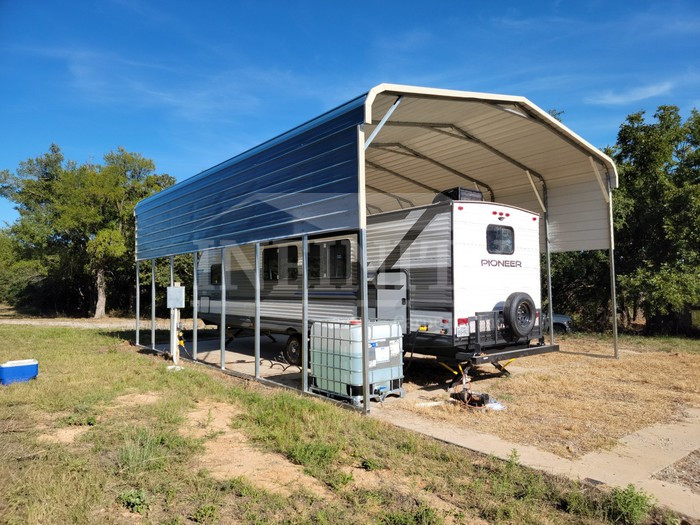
458 194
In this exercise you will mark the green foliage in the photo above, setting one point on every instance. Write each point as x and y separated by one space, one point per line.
628 506
370 464
134 499
657 231
657 225
205 514
75 232
423 515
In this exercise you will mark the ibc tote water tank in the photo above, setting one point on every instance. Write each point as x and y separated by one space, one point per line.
336 358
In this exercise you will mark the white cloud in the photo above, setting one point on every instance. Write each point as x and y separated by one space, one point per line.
609 98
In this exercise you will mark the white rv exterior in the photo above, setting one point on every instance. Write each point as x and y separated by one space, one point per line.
483 277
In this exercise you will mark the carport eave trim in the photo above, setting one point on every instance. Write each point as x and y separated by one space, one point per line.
533 111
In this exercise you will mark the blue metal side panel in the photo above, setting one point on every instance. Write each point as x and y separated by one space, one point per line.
304 181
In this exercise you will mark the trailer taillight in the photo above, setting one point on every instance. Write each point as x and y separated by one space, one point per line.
462 321
534 218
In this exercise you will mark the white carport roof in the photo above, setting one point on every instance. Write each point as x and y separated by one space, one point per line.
436 139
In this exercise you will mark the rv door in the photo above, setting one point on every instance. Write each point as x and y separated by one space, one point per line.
392 296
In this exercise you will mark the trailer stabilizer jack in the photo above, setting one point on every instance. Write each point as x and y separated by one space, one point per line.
502 366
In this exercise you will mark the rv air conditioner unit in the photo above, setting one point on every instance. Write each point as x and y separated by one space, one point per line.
458 194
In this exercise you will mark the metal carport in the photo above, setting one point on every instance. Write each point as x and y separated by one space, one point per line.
393 147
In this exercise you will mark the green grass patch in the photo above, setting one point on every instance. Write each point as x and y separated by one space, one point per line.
137 457
135 500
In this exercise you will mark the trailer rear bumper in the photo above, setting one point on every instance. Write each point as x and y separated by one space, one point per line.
501 355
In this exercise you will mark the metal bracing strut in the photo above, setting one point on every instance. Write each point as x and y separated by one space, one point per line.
381 123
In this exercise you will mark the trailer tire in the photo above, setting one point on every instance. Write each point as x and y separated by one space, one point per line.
292 350
519 314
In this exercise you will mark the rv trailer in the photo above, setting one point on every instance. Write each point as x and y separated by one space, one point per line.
462 277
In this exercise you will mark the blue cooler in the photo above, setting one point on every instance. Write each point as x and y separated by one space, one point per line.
18 371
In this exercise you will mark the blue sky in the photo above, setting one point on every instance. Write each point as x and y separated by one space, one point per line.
190 84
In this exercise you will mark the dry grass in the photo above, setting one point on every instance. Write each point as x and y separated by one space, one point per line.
134 460
580 399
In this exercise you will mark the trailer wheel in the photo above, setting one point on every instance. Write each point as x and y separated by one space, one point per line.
292 350
519 314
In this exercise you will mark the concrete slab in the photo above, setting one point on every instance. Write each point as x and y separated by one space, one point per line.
240 358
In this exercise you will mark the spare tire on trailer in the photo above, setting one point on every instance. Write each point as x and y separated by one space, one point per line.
519 314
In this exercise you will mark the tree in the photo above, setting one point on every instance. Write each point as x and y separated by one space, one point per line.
657 229
657 224
78 220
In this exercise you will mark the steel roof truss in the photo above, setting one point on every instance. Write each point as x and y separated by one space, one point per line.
462 134
398 198
402 177
405 150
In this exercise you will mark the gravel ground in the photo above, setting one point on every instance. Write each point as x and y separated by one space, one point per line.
684 472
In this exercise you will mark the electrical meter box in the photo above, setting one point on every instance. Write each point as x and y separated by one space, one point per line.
176 296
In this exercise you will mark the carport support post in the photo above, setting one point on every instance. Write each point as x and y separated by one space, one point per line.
138 304
364 302
304 313
222 322
153 304
257 310
173 328
195 311
613 292
550 307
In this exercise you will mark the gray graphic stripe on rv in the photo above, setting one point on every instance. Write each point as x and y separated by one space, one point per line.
408 238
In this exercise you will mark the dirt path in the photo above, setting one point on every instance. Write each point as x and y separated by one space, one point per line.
108 323
636 459
228 454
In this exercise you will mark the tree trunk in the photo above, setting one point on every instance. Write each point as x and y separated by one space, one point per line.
101 294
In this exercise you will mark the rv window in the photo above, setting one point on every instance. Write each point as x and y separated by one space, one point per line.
500 239
314 261
271 264
338 260
215 275
290 258
329 260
